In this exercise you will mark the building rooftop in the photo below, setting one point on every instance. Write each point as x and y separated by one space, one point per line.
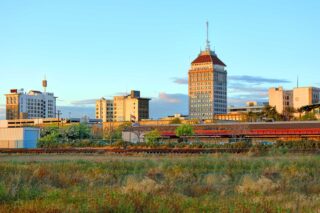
208 56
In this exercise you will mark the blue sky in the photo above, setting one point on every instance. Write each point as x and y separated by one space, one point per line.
90 49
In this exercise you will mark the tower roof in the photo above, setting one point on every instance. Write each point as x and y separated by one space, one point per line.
208 57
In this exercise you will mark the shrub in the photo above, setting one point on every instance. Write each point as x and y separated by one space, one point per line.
262 185
152 138
184 130
175 121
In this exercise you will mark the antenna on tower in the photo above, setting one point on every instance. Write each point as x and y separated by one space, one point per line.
207 41
44 84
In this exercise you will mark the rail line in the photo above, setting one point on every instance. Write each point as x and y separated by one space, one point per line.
144 150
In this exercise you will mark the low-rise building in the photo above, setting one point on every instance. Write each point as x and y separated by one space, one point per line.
17 123
175 116
235 116
19 137
43 122
251 106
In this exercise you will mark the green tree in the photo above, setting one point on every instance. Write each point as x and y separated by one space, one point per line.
114 134
77 131
48 130
288 113
175 121
51 140
184 130
269 112
309 116
152 138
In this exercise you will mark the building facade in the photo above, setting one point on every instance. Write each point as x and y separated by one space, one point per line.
25 137
251 106
295 98
280 98
207 82
34 104
123 108
104 110
130 107
304 96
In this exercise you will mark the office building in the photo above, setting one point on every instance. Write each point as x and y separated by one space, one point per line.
207 81
130 107
123 108
295 98
34 104
104 110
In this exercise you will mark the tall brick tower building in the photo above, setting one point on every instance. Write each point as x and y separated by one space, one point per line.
207 82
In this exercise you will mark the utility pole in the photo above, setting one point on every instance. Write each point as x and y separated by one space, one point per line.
58 113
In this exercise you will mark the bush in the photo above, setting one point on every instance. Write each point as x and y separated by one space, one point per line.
78 135
152 138
184 130
175 121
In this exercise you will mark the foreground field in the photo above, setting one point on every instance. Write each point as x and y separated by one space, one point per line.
155 183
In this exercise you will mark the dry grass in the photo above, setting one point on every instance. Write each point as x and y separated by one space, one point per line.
159 183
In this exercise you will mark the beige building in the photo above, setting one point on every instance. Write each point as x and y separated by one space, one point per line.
104 110
130 107
280 98
304 96
296 98
207 82
123 108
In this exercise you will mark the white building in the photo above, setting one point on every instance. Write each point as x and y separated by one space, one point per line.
34 104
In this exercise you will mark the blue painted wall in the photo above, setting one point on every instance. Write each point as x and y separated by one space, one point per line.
31 136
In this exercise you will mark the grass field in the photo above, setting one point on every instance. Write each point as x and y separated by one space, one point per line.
155 183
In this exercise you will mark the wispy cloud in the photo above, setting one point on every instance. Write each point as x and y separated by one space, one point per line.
163 105
256 79
239 94
242 99
245 88
170 98
180 80
84 102
167 104
242 78
77 111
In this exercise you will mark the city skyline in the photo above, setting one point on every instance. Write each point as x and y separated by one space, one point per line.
88 52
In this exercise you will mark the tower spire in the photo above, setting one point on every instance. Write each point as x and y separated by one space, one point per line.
207 41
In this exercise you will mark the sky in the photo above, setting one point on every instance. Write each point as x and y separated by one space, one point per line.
93 49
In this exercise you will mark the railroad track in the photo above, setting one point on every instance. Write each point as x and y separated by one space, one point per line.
131 150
